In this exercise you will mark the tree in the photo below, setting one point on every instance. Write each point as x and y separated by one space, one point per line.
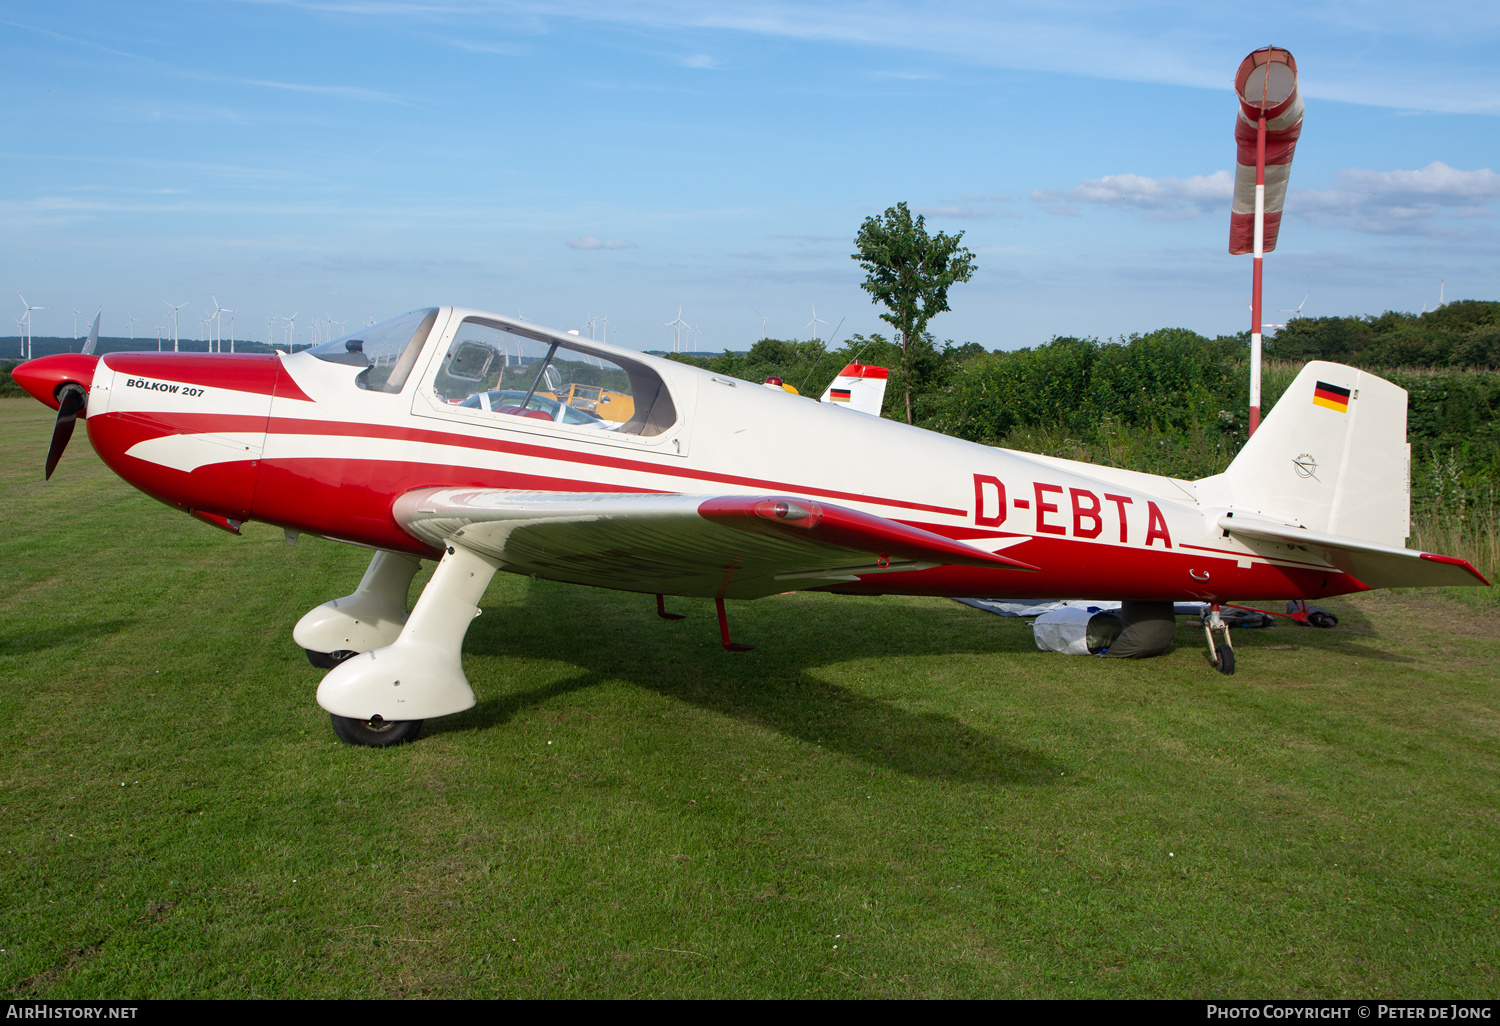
909 271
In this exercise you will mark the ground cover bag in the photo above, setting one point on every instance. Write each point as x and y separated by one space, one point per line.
1149 629
1075 631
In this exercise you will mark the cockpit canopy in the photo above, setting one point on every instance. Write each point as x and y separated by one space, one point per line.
511 371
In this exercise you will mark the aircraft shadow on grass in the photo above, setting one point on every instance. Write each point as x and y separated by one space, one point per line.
783 692
779 692
1348 640
82 632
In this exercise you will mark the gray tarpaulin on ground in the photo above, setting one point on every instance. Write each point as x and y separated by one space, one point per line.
1120 630
1036 607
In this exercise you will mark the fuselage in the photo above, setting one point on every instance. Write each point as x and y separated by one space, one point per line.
291 441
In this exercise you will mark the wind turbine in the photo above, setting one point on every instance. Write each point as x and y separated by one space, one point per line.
217 333
174 315
291 332
222 311
814 322
158 336
1441 284
26 341
676 326
1294 313
131 319
764 319
76 312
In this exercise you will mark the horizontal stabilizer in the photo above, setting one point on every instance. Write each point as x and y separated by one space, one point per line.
1371 563
735 546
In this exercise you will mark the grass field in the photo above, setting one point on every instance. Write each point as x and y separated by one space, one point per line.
890 797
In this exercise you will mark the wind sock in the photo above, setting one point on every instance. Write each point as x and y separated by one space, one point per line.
1267 88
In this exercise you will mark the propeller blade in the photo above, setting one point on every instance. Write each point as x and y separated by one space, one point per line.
88 347
72 400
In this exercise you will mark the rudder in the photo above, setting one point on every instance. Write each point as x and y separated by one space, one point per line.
1332 456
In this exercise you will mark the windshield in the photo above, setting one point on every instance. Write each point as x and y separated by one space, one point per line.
384 353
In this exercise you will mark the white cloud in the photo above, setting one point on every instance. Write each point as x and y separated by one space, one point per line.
593 242
702 61
1381 53
969 207
502 49
1380 202
1375 52
1399 202
1164 199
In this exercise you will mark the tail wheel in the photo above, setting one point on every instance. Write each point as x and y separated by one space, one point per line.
1224 659
376 733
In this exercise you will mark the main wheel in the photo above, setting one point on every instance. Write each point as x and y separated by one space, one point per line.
328 660
1224 661
376 733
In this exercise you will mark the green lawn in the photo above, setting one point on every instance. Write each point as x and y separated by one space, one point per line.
890 797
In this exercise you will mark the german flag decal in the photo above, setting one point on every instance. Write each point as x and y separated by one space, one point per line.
1331 396
841 395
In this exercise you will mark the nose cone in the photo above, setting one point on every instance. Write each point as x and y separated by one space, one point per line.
43 377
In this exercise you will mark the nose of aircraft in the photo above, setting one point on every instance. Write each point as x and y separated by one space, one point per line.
62 382
44 378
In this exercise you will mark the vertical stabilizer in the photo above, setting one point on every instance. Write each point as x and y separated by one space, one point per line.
859 386
1332 456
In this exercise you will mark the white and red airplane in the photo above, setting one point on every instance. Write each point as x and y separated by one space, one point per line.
443 435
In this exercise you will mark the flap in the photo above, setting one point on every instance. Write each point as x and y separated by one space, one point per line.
734 546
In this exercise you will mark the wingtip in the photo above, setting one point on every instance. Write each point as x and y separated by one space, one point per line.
1455 561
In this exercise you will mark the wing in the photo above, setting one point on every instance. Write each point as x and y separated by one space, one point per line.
1379 566
734 546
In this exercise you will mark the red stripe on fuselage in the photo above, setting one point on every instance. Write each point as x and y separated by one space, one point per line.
225 488
285 426
351 499
1071 568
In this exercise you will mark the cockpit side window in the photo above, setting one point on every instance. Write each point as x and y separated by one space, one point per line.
509 371
385 353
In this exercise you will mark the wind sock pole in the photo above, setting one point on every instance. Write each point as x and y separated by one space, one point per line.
1255 274
1266 133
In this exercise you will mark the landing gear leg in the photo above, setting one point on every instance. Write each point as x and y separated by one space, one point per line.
417 676
729 646
1221 654
661 609
369 618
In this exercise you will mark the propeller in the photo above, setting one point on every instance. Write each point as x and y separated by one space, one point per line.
71 399
88 347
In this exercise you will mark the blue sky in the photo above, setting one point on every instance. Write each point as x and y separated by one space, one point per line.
352 160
